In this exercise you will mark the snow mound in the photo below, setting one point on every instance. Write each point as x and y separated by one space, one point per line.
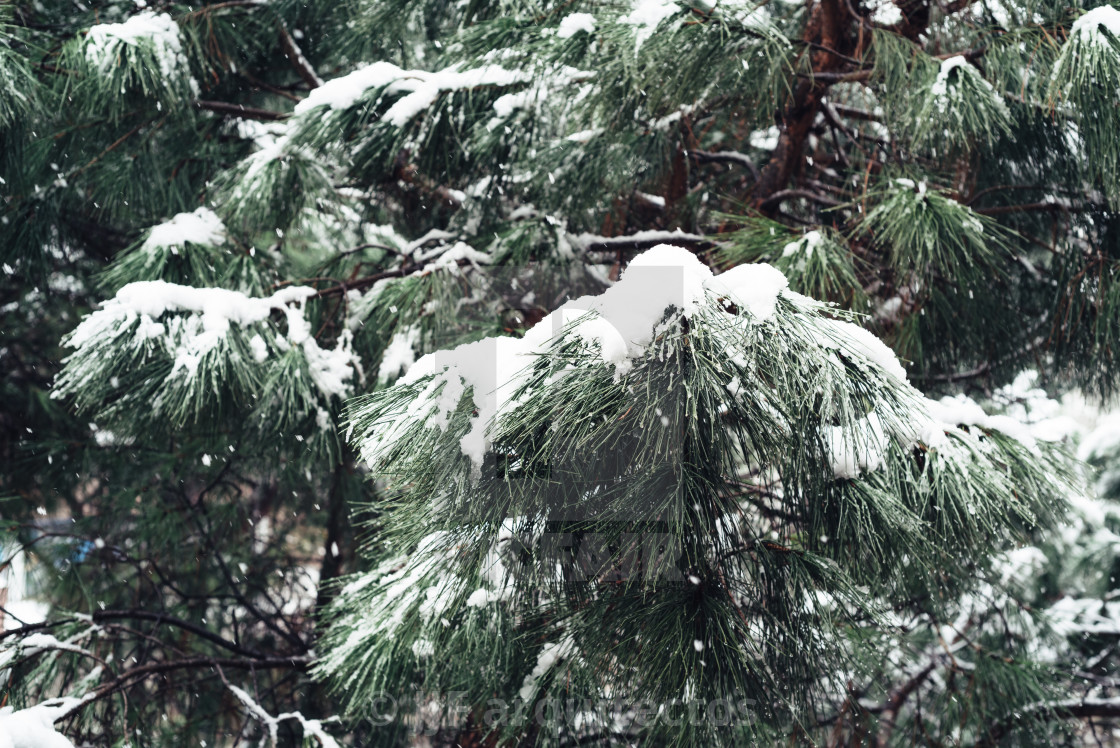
158 29
421 87
200 227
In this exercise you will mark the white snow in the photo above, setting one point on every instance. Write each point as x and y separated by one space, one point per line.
1102 440
447 258
550 654
158 29
200 227
1088 25
941 85
585 136
210 313
259 348
765 140
574 23
803 245
755 287
945 94
963 411
332 369
585 240
617 326
885 12
866 345
647 15
342 92
433 84
507 104
858 448
312 728
400 354
421 87
34 727
215 307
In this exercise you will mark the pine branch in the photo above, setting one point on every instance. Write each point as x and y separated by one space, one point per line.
164 618
242 111
295 56
641 240
1046 712
898 699
730 157
136 675
782 195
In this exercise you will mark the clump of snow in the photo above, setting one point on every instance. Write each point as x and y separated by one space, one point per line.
400 354
945 94
312 728
157 29
200 227
858 448
259 349
574 23
344 91
941 85
447 258
585 136
647 15
210 312
1101 441
617 326
507 104
215 308
421 87
885 12
755 287
765 140
550 654
1088 26
951 412
858 340
34 727
332 369
804 245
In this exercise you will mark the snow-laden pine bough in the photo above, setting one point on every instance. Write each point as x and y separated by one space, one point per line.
693 488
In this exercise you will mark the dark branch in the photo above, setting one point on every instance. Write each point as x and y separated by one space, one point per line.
239 110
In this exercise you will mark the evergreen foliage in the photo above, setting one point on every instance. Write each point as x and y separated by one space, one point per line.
297 435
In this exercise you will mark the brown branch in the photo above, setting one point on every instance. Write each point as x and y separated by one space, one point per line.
826 29
897 699
295 56
112 147
854 113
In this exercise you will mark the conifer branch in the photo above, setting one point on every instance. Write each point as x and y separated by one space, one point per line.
242 111
731 157
1047 711
295 56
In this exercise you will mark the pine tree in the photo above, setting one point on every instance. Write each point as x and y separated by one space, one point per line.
577 308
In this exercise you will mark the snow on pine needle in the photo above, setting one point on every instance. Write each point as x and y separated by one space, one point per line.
655 404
